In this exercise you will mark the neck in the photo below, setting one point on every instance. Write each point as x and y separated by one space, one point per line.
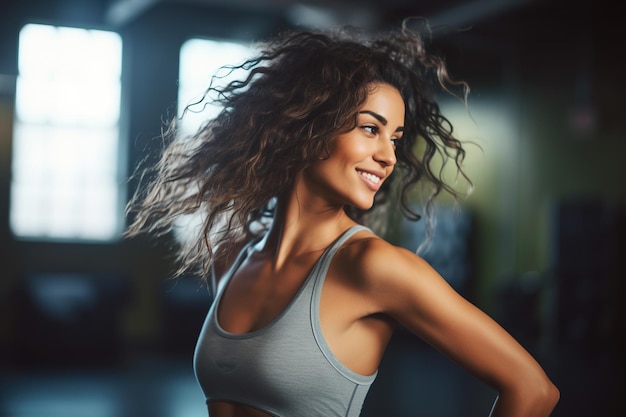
303 224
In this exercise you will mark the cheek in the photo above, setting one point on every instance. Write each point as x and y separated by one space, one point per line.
354 149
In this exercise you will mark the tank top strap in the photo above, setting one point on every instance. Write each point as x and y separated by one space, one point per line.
241 256
329 254
314 307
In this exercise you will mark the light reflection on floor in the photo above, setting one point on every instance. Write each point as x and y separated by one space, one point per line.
156 387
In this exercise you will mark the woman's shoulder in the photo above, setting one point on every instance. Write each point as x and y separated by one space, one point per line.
394 279
370 258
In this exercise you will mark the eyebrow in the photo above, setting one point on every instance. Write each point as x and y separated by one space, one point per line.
381 119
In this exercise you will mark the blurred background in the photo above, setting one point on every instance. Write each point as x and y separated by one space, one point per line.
91 326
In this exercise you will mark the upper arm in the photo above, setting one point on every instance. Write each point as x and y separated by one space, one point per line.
406 288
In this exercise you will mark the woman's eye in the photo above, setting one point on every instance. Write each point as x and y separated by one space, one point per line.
370 129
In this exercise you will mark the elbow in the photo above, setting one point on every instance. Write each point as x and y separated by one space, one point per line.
547 395
551 395
543 397
537 397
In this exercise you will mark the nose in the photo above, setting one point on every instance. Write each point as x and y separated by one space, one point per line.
386 153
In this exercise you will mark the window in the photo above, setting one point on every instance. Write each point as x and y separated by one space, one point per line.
67 179
200 59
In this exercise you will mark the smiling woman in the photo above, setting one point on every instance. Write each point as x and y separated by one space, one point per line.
314 139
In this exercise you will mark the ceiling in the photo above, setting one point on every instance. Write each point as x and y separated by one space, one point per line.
358 12
492 18
492 24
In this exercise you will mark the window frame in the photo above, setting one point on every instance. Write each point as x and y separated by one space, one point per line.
114 178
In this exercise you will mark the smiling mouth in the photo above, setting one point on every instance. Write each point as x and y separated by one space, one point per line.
375 179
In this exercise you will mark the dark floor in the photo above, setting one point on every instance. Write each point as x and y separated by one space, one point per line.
151 387
414 380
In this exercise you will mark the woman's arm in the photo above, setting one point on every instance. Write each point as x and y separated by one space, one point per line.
413 293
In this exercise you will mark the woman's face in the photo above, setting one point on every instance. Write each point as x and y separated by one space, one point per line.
363 158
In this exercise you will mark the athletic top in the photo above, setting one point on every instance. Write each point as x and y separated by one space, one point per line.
285 369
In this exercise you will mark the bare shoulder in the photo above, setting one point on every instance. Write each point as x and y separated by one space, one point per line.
374 261
395 280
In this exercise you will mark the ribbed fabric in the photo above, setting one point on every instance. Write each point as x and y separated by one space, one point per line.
285 369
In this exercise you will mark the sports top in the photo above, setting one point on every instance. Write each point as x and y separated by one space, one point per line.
285 369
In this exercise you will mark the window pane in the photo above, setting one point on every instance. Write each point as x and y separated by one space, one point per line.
66 179
200 59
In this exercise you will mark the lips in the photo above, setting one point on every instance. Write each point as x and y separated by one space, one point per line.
372 180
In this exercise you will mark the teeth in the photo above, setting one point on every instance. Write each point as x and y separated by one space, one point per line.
373 178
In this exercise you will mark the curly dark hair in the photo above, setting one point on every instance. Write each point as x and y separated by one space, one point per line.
299 93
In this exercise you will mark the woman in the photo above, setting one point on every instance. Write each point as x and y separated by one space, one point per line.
321 136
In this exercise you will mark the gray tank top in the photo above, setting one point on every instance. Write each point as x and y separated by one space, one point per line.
285 369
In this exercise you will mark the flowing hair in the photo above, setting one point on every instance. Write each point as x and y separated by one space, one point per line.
300 92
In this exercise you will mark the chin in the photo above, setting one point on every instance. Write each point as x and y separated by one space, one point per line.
363 205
